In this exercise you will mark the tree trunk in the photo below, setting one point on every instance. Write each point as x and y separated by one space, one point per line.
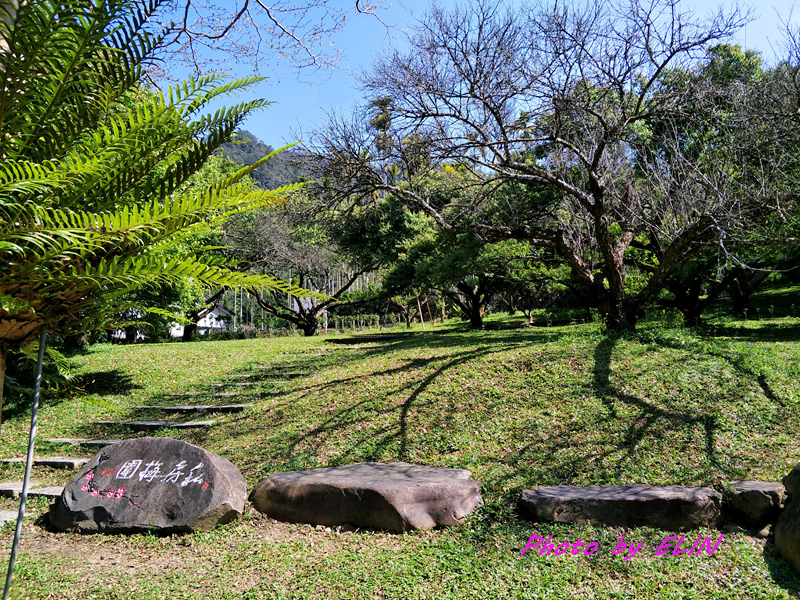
189 332
742 287
130 334
476 318
309 326
3 354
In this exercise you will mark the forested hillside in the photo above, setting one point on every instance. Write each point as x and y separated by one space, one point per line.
278 171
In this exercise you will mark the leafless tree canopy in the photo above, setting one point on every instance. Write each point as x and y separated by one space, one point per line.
609 112
211 33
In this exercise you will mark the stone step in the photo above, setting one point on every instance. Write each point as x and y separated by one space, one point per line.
203 394
10 516
153 425
98 443
69 441
46 492
136 425
84 442
194 425
233 383
198 408
13 489
56 462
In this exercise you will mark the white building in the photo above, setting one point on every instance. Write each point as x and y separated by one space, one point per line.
213 322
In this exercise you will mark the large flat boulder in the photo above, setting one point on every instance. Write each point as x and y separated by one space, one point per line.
670 507
151 484
753 503
395 497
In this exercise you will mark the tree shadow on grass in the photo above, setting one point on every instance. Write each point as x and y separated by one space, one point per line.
649 414
781 570
571 451
764 332
109 383
391 433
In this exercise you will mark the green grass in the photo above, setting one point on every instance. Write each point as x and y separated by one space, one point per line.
518 408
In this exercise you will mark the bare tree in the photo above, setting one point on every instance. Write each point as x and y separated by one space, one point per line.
585 108
287 244
206 33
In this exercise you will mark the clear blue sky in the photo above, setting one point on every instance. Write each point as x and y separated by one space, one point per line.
301 102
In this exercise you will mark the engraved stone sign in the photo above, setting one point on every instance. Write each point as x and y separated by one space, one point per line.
146 484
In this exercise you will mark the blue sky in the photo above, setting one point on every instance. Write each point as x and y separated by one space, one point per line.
301 102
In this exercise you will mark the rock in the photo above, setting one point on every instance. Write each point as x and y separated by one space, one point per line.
151 484
787 533
395 497
792 481
787 529
764 532
670 507
753 503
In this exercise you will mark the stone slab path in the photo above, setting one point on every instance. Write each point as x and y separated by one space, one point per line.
9 516
56 462
13 489
87 443
197 408
153 425
46 492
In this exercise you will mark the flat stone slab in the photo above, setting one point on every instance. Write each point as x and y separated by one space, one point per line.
56 462
753 503
193 425
233 384
61 462
46 492
84 442
395 497
13 489
98 443
197 408
155 425
10 516
668 507
151 484
136 425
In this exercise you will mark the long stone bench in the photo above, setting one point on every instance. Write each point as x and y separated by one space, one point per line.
669 507
395 497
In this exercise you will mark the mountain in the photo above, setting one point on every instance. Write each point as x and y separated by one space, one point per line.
278 171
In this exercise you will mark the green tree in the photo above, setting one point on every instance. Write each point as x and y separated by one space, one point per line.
565 99
93 170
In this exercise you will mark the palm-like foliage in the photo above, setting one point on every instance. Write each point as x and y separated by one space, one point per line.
92 168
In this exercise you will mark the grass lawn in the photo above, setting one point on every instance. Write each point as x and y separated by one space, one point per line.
518 408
